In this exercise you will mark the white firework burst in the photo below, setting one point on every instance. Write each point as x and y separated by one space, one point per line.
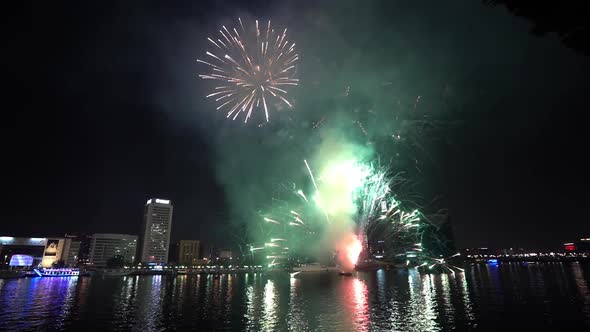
253 69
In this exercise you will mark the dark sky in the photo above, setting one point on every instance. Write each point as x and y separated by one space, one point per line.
106 111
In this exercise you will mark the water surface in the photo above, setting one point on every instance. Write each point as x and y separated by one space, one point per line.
551 296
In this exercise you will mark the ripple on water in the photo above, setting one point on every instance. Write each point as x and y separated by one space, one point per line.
555 295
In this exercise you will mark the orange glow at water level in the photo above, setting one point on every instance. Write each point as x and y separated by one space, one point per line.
349 249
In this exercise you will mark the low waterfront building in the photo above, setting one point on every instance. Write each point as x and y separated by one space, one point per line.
45 251
188 252
104 247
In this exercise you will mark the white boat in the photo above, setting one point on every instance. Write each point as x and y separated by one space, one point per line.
114 272
316 267
65 272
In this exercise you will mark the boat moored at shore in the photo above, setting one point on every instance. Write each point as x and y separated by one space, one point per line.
63 272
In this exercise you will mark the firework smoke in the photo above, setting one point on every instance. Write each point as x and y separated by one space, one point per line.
357 203
327 210
341 176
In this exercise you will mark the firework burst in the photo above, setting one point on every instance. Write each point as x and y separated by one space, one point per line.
298 221
253 68
401 231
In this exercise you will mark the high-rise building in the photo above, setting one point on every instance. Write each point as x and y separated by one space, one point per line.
155 232
188 252
106 246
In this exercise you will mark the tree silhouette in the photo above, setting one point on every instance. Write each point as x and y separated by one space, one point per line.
569 19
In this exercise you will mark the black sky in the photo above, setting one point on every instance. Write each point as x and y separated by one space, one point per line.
105 111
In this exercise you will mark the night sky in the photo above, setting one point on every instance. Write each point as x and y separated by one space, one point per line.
106 110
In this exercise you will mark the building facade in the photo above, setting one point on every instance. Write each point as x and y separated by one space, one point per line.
44 251
72 255
173 253
225 253
20 246
79 252
103 247
155 232
189 252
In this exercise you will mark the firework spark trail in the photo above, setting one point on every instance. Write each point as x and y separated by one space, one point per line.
378 213
369 187
319 197
432 262
271 221
372 200
312 178
251 70
300 193
402 233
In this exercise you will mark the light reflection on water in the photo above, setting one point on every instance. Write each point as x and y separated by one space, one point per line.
269 311
483 297
296 314
253 303
124 301
360 310
583 291
29 302
464 293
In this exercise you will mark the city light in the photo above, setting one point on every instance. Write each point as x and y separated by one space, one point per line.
403 133
21 260
570 246
37 239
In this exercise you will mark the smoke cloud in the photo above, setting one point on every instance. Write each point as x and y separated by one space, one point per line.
340 174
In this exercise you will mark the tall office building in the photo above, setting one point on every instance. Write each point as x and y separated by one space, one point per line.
188 252
155 233
106 246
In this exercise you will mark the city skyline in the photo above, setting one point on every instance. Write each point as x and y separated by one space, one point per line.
288 165
124 117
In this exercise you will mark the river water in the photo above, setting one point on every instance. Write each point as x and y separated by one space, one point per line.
550 296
